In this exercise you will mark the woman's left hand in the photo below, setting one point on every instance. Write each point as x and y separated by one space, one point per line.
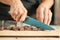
44 14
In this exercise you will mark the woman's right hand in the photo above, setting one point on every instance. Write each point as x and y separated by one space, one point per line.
18 11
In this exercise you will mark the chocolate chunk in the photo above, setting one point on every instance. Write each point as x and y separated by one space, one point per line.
1 28
39 29
29 28
35 29
12 27
18 28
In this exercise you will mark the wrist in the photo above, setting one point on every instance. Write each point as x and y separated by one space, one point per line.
14 2
47 4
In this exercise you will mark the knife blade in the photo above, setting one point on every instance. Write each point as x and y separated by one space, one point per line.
37 23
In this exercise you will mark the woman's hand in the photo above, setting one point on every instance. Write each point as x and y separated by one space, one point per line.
18 11
44 14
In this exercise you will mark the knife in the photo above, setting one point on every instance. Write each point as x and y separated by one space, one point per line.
37 23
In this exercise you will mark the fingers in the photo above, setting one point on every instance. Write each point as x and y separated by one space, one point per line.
20 17
14 14
40 15
49 17
23 17
19 14
18 11
46 16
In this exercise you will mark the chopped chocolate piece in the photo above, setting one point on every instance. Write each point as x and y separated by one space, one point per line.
5 28
29 28
1 28
39 29
12 27
35 29
18 28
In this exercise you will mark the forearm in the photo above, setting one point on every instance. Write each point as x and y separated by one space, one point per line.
9 2
47 3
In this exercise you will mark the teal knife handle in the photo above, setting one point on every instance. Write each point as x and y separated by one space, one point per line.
36 23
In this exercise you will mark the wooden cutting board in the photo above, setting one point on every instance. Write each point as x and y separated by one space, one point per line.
30 33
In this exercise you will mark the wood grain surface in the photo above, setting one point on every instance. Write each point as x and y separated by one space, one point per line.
29 33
